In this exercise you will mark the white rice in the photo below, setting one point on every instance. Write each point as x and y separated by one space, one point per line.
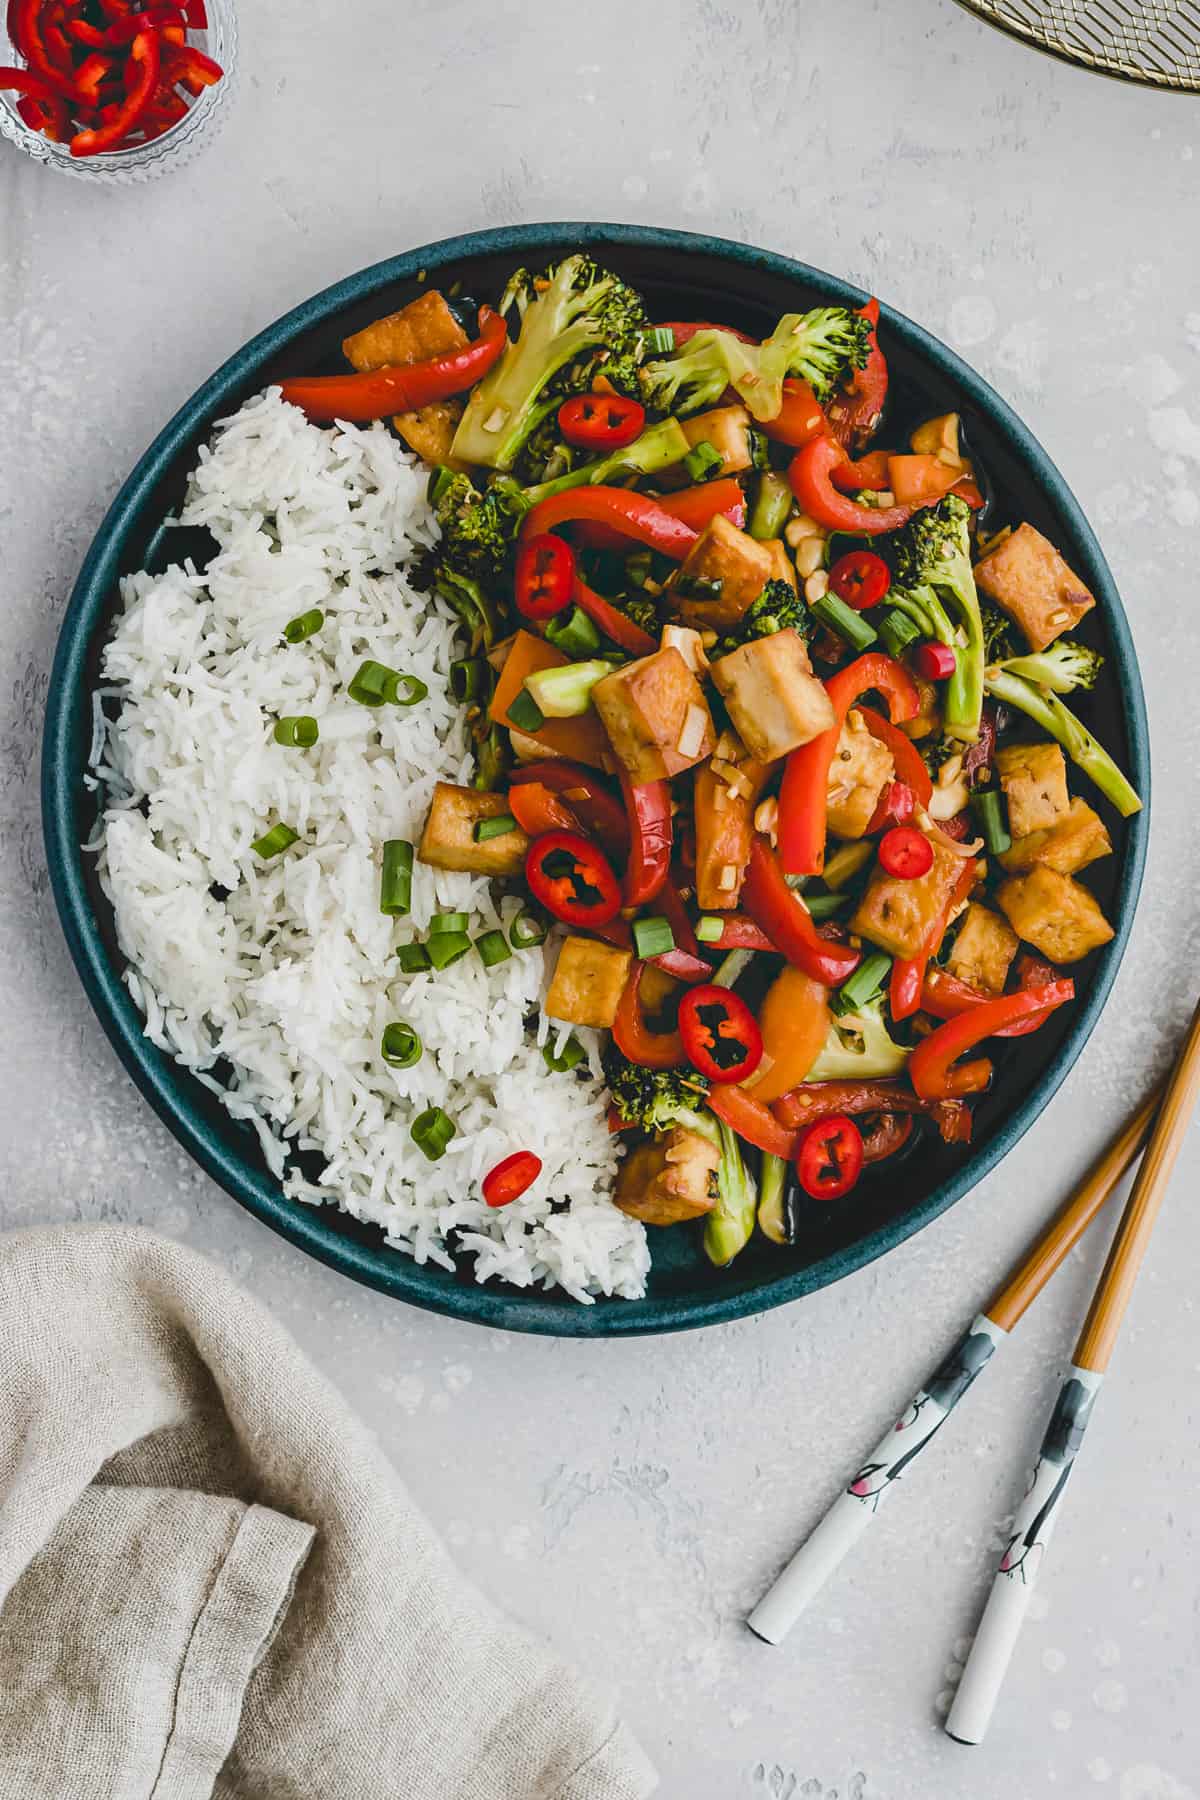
288 982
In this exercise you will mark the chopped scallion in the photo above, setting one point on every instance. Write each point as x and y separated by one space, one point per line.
447 948
709 929
500 826
653 936
304 625
823 906
526 930
300 733
431 1131
413 959
863 985
467 679
377 685
989 810
273 842
451 921
493 948
574 634
845 621
897 631
400 1046
525 713
702 461
395 887
568 1058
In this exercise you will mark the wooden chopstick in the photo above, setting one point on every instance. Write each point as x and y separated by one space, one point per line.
1038 1513
846 1520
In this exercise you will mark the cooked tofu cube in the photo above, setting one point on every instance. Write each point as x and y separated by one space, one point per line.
1068 845
727 429
983 949
1028 579
448 841
588 981
656 716
898 915
1055 914
1034 779
424 328
725 795
782 566
672 1179
775 701
860 770
722 554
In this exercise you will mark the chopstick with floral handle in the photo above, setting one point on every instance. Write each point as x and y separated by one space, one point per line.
856 1506
1038 1513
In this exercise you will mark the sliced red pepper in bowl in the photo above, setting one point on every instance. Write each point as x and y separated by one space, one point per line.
145 61
379 393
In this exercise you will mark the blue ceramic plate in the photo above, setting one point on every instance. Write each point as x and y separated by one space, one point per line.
683 276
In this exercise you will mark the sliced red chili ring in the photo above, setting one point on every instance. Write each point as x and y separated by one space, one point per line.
601 421
905 853
936 662
572 879
860 578
511 1177
720 1034
545 576
829 1157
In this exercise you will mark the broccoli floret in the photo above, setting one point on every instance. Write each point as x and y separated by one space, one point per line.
659 447
471 565
821 346
859 1047
1048 711
1062 667
641 609
778 608
576 322
654 1099
934 582
997 632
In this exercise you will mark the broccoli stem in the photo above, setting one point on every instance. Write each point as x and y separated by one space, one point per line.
1083 749
566 693
772 1186
730 971
658 448
772 504
729 1225
472 605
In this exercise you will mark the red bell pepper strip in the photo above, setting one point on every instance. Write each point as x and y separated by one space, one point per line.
753 1121
740 933
49 116
868 475
694 505
802 799
648 810
380 392
720 1034
602 815
785 919
25 81
612 621
910 765
84 32
968 490
197 15
684 962
818 1099
799 419
145 60
633 515
538 811
686 331
123 31
895 807
190 68
930 1066
890 1133
91 75
855 413
946 996
28 32
810 478
633 1037
908 973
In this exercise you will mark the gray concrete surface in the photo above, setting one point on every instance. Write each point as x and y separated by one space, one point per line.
630 1500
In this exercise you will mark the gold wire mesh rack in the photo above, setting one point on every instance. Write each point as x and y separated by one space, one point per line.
1152 41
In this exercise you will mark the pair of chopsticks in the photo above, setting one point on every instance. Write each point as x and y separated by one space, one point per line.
1160 1125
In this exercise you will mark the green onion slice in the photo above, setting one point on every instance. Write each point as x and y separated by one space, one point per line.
653 937
273 842
864 984
431 1131
440 478
400 1046
304 625
989 810
447 948
568 1058
500 826
377 685
823 906
574 634
467 679
702 460
448 922
526 930
413 959
525 713
301 732
897 631
395 887
845 621
709 929
493 948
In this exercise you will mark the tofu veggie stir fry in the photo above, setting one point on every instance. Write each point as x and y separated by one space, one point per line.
773 727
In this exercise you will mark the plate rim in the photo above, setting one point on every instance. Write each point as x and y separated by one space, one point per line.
373 1265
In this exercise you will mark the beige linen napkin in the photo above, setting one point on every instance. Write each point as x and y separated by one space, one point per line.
213 1583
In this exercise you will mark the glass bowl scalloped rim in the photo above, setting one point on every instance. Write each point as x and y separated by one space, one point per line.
166 1085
